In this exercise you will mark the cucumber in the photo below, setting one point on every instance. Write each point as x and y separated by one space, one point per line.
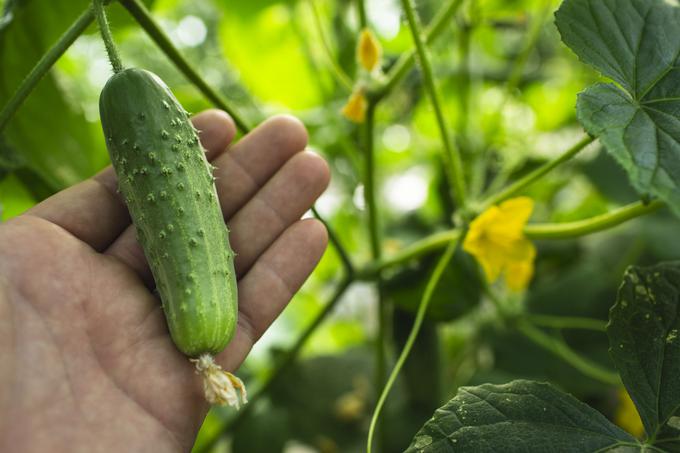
169 189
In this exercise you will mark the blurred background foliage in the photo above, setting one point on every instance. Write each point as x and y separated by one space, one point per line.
268 57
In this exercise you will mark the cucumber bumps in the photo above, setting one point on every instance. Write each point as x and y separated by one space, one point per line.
169 189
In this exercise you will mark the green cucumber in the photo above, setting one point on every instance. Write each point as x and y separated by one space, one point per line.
169 189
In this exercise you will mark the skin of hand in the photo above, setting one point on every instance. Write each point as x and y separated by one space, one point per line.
86 361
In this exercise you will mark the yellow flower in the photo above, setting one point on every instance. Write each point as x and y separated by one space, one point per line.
496 239
369 51
627 416
355 108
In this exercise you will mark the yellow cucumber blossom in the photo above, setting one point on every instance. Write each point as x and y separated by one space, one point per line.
355 108
627 416
496 239
369 51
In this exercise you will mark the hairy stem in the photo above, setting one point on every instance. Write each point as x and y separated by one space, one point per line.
142 15
592 225
454 164
44 65
420 316
111 50
532 177
280 367
565 230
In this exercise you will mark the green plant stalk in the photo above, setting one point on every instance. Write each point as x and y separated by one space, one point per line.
375 238
592 225
532 177
454 164
567 322
45 64
361 10
340 76
111 50
335 240
422 247
405 62
563 351
564 230
142 15
420 316
280 367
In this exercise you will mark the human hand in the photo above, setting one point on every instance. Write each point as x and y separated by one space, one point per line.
86 361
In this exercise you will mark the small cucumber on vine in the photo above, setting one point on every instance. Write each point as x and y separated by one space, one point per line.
168 187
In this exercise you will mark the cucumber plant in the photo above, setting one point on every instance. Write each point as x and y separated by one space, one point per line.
634 116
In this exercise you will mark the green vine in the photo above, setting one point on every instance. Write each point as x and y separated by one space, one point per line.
44 65
535 175
420 316
452 158
144 18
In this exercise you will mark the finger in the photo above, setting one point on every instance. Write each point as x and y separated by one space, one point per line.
93 212
240 173
266 290
282 201
216 130
250 163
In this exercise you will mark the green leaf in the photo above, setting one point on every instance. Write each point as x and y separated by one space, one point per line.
632 42
644 336
521 416
50 133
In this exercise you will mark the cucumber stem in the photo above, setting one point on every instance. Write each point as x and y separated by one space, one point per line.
111 50
221 387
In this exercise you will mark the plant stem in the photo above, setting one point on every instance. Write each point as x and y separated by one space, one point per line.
361 10
527 180
438 24
567 322
333 238
111 50
591 225
142 15
564 230
340 76
280 367
454 165
376 244
420 316
422 247
44 65
370 185
563 351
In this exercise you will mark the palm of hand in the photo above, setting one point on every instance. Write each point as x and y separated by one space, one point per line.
87 361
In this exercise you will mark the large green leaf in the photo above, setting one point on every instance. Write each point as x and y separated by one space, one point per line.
50 133
644 334
633 42
522 416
